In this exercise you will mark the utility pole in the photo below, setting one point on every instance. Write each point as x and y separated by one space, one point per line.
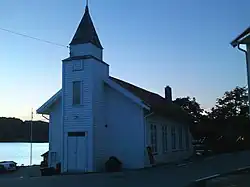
31 136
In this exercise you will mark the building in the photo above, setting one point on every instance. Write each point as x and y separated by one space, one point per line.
244 38
95 116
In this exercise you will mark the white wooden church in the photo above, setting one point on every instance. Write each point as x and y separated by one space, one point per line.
95 116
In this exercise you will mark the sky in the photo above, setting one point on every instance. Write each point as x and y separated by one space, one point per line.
181 43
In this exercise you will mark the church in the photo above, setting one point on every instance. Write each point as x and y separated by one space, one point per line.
95 116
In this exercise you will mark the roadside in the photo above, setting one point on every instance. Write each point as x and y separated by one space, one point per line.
173 176
23 172
242 180
34 171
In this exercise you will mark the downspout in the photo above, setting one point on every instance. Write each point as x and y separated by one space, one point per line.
248 76
45 117
49 139
145 133
148 115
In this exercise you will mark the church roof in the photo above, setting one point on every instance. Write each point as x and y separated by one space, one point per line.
86 32
157 104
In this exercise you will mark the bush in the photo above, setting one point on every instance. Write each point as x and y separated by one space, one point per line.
58 168
113 164
47 171
2 169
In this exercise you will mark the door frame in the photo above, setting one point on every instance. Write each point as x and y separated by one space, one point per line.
77 134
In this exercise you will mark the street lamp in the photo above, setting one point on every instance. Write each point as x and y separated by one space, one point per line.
244 38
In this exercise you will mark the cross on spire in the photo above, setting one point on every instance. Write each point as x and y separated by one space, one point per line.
87 5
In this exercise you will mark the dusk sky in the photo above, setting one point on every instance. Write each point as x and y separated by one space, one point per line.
181 43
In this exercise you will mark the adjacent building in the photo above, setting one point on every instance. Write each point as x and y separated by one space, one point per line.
244 38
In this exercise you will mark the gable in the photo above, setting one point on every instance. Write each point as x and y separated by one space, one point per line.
126 93
151 101
45 108
158 104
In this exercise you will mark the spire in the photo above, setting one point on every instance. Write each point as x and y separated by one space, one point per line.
86 32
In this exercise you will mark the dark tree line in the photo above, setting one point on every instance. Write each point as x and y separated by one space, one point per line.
227 124
16 130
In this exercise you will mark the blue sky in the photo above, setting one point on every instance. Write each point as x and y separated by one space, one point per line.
184 44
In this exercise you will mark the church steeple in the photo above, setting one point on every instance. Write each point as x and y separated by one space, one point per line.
86 32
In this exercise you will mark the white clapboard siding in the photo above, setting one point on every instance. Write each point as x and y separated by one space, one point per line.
78 118
125 129
86 49
55 125
100 73
171 155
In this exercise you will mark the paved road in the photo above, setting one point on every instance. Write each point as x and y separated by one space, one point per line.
242 180
171 176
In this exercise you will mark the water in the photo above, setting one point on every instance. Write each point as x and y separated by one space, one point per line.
20 152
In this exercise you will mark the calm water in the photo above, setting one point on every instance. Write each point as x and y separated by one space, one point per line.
20 152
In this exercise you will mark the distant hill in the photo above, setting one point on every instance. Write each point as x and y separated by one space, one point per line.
16 130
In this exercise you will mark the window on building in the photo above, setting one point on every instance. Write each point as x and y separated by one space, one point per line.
76 92
164 138
153 131
173 137
187 138
78 65
180 138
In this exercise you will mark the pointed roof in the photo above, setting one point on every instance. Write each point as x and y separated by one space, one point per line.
86 32
242 38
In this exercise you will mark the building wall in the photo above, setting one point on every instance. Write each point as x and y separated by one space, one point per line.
171 155
100 73
248 72
55 125
77 118
90 115
86 49
125 129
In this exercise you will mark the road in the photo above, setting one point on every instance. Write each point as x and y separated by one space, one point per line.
242 180
171 176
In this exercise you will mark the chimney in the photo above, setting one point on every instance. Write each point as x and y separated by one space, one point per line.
168 93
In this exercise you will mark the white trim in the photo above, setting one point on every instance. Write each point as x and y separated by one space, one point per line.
154 138
146 137
248 73
126 93
245 39
164 138
44 108
173 138
63 168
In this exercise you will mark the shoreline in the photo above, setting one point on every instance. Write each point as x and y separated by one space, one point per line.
23 142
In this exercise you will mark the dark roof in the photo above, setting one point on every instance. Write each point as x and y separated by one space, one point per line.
86 32
157 103
235 42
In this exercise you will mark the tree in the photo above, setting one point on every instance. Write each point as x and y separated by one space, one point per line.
192 107
16 130
229 119
233 103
